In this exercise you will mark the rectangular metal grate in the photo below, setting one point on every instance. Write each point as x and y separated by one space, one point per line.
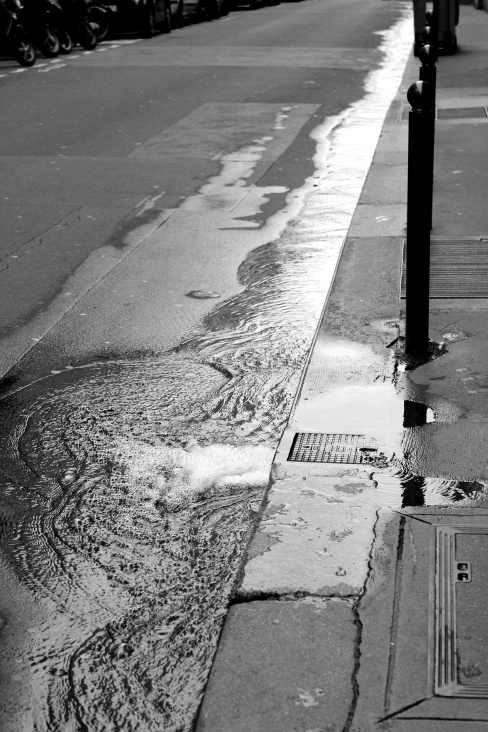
458 268
467 113
317 447
461 113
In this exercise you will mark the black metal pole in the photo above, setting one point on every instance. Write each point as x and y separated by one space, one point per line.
418 220
428 73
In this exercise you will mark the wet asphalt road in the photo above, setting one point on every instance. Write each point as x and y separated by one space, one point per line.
79 167
160 290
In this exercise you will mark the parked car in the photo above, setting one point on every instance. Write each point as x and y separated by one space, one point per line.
253 4
147 16
201 9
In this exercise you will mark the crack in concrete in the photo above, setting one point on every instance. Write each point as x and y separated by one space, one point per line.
38 239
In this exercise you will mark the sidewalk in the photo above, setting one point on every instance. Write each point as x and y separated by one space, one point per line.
362 601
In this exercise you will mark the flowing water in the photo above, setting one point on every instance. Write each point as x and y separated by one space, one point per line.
130 488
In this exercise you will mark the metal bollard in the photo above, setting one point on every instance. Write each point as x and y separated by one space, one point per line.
419 189
428 73
432 18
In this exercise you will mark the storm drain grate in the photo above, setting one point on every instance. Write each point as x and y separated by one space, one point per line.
458 268
461 113
467 113
317 447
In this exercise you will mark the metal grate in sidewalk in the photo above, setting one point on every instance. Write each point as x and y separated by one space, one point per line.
450 113
318 447
458 268
461 113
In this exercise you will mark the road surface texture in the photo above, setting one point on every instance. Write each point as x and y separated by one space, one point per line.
173 211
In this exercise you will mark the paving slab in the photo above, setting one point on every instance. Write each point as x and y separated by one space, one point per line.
283 666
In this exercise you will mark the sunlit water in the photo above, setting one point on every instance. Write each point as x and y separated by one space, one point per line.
130 488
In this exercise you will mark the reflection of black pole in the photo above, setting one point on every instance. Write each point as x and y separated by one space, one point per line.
418 219
414 414
413 494
434 24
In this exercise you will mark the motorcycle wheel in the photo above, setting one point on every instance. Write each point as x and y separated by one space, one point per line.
212 10
99 23
49 46
23 50
165 26
148 23
177 19
88 38
65 42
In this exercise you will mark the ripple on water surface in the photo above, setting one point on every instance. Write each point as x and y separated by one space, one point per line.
130 489
125 536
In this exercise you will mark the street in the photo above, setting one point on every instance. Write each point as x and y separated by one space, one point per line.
164 264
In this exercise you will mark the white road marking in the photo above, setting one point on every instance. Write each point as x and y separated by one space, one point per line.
51 68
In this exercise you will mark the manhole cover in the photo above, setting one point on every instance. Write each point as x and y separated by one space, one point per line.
317 447
461 640
458 268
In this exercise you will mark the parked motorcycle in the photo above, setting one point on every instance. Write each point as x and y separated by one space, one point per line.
99 16
40 19
14 39
76 23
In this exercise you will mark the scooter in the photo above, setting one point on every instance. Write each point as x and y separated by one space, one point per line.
99 18
77 24
40 19
13 37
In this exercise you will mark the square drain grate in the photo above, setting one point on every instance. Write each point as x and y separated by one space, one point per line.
458 268
318 447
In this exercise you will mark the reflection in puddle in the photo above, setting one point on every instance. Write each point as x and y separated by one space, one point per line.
397 487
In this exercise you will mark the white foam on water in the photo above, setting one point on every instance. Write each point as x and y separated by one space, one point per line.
174 477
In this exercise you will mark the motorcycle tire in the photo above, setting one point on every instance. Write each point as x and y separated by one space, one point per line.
65 42
165 26
148 22
48 43
99 23
212 9
23 49
88 37
177 19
